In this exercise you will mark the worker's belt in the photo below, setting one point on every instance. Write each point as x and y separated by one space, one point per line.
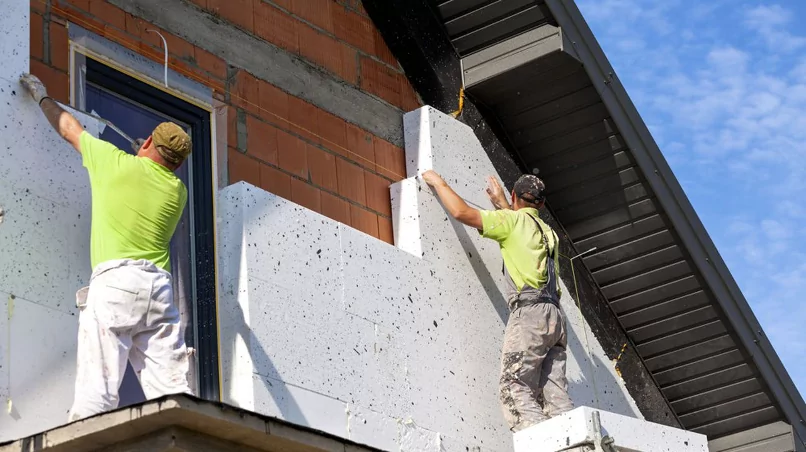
519 303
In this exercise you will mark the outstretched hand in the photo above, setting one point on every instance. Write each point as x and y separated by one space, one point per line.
34 86
496 193
432 178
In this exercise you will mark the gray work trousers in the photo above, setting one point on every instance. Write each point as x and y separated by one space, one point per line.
533 365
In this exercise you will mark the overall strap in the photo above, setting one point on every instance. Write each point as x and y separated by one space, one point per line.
551 272
551 252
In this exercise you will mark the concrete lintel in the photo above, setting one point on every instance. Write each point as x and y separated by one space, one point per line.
514 52
177 423
272 64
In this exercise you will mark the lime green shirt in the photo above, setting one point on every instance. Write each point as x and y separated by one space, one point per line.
136 204
521 244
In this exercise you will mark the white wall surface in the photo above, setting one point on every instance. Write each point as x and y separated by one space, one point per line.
395 347
44 243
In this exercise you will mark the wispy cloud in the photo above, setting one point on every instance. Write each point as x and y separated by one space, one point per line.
770 22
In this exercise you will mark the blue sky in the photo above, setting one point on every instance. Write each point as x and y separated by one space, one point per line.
722 86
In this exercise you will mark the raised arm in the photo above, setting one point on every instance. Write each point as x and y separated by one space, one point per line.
66 124
456 206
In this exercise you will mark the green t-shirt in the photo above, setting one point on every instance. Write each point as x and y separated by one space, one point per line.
521 244
136 204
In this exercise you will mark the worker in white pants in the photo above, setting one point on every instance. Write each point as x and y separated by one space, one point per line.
127 313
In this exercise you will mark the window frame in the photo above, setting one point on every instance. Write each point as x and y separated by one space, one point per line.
203 184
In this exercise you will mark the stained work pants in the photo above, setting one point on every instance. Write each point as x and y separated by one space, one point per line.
533 366
128 314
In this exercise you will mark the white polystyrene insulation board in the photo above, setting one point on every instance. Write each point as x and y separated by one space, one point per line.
576 428
44 193
407 335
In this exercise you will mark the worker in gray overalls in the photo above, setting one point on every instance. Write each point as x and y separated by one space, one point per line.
534 350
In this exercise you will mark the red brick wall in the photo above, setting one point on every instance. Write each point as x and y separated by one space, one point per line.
291 148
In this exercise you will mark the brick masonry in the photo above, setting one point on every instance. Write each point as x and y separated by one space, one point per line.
275 140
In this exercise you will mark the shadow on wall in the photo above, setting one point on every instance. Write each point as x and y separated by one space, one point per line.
497 299
595 385
288 407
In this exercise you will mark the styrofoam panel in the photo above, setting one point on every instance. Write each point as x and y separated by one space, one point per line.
461 369
43 188
476 444
446 244
431 311
42 162
281 235
466 266
236 348
383 285
576 428
398 292
436 141
405 219
414 438
417 145
370 427
329 345
5 368
44 192
470 303
41 389
233 295
335 353
383 384
451 396
14 38
45 256
300 406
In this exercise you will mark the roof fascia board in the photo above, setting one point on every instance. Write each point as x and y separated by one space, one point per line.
680 212
513 52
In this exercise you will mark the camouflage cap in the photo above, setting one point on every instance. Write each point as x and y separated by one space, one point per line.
530 188
172 142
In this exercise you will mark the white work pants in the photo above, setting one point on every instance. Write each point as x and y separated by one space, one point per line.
128 314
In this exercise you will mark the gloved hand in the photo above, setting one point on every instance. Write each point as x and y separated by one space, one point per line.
34 87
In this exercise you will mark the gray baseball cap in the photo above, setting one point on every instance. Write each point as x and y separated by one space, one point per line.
530 188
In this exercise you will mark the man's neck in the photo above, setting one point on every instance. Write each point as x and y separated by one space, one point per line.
159 161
